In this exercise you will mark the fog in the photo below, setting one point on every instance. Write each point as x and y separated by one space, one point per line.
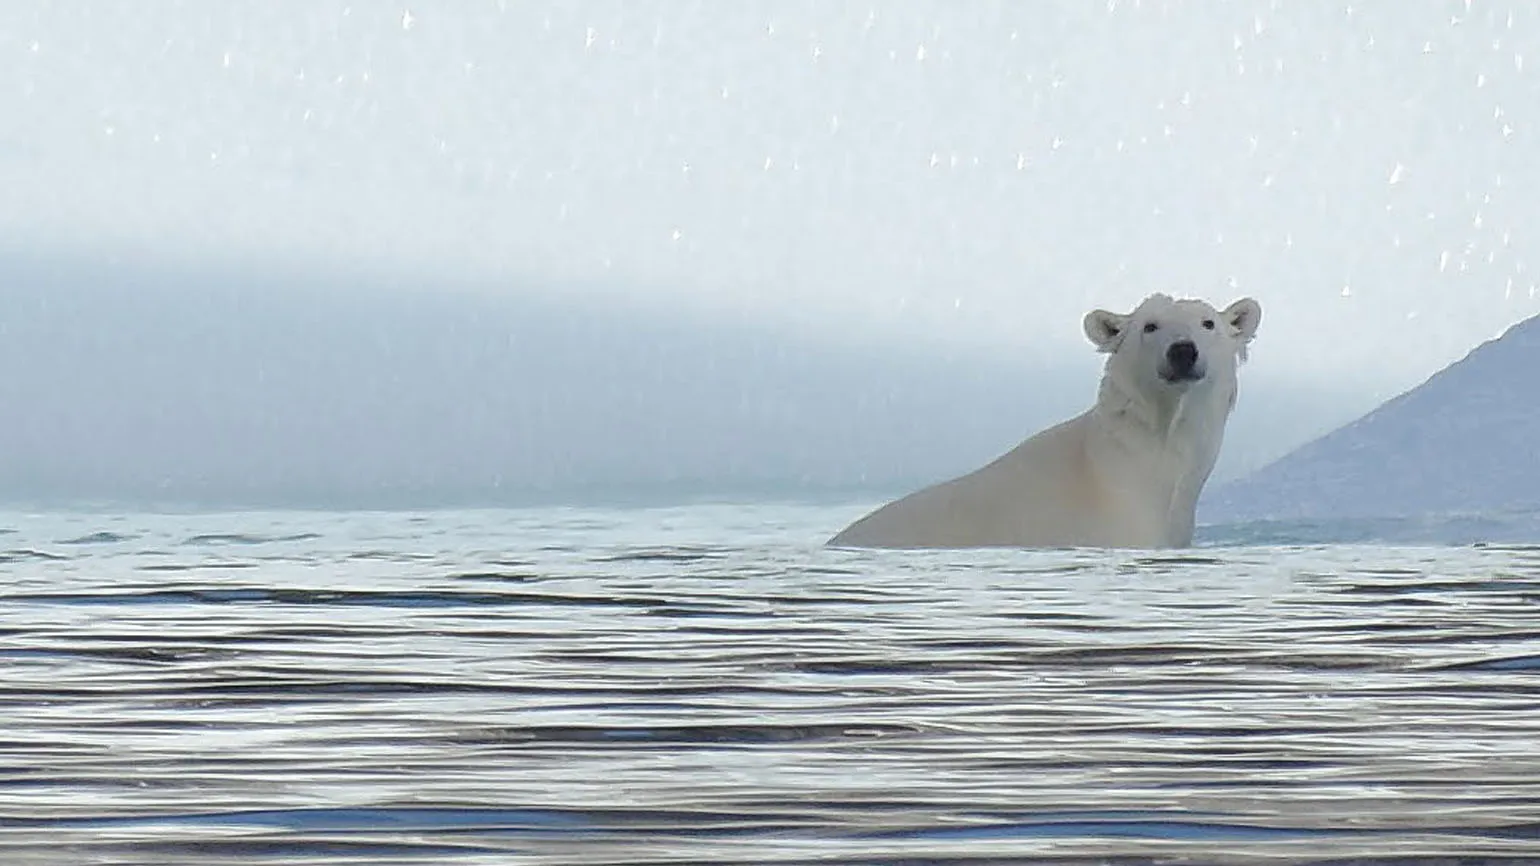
381 252
131 380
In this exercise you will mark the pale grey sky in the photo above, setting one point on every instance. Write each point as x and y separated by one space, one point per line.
956 177
978 172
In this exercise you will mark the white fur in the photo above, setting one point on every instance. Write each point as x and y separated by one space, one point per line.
1127 473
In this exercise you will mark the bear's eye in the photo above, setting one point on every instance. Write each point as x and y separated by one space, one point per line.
1208 324
1149 327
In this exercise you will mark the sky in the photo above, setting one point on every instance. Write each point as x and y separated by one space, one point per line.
915 179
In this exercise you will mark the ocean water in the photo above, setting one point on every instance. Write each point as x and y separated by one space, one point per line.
708 684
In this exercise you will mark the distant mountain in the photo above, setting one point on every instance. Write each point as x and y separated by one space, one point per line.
132 381
129 381
1465 441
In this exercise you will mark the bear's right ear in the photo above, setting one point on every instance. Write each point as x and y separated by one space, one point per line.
1104 329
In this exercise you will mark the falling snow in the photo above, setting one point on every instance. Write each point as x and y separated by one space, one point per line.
929 153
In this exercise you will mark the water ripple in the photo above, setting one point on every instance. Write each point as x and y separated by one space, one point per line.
681 686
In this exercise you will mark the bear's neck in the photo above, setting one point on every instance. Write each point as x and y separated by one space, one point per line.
1174 421
1173 444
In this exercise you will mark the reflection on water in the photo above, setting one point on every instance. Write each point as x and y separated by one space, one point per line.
708 685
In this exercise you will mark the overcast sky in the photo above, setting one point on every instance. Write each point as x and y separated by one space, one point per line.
938 175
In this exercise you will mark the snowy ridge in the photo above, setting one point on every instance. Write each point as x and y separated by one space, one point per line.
1465 441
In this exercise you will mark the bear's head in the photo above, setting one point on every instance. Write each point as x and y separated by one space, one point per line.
1172 345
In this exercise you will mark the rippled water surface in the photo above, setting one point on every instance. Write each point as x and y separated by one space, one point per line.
709 685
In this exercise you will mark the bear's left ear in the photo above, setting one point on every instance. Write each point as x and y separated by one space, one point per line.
1244 315
1104 329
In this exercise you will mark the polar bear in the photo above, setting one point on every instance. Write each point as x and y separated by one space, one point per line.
1126 473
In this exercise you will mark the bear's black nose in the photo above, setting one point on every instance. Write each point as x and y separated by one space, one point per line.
1182 355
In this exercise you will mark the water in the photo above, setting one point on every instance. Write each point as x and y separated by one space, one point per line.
707 684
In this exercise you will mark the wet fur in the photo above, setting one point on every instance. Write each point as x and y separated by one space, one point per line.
1126 473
